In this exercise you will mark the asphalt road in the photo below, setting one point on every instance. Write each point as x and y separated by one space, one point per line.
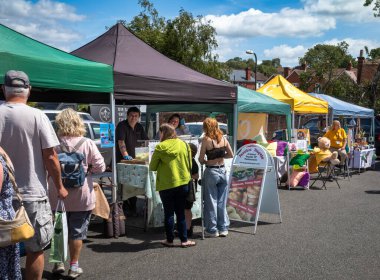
324 234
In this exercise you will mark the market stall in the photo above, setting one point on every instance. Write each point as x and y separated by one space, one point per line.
54 74
301 103
340 108
142 75
362 155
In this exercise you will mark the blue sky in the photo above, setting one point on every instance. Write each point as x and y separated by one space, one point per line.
284 29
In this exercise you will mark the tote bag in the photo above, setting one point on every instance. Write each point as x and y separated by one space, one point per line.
59 243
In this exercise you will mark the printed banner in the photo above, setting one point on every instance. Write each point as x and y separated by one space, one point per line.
244 194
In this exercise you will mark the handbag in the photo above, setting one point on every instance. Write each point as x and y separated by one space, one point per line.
190 197
19 229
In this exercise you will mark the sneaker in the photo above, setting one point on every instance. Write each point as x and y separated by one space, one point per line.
75 273
223 233
59 268
211 235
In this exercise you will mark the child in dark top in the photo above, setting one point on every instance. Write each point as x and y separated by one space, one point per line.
195 176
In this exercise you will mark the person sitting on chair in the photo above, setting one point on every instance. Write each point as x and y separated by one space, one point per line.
338 139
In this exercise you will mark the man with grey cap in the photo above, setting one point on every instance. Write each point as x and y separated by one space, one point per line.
29 139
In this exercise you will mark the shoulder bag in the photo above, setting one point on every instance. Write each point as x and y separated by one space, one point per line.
19 229
191 185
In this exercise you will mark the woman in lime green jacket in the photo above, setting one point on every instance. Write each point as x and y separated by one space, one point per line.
172 161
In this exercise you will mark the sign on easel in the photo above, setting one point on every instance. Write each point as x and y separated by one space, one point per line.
253 185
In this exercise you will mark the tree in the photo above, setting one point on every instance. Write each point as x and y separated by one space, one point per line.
376 6
372 54
324 59
236 63
186 39
269 67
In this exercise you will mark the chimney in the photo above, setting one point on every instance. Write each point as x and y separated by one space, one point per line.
349 66
248 74
361 60
303 66
286 72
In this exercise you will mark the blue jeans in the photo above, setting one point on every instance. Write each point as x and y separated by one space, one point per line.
215 199
173 201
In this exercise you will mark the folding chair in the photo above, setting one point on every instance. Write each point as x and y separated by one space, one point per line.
326 172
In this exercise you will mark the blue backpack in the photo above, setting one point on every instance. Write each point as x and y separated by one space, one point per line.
72 170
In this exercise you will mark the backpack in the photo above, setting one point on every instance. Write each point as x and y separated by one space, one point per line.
72 170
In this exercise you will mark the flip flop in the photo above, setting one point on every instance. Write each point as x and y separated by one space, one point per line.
167 244
188 243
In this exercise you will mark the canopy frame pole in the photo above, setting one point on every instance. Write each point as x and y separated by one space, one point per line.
235 127
327 121
292 136
114 173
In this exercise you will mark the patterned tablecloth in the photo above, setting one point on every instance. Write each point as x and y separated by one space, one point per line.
135 179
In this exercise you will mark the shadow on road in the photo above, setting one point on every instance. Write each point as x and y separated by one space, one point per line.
372 192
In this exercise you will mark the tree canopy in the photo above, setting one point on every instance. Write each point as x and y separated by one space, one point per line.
186 39
323 60
376 6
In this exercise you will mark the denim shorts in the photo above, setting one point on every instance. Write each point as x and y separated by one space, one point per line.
77 223
40 216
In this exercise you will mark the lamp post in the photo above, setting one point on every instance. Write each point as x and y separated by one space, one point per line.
252 52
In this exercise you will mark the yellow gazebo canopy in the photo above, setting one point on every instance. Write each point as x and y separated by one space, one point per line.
279 88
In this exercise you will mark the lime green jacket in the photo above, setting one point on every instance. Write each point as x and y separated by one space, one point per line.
172 161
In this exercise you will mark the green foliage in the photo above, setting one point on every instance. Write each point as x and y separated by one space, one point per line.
237 63
306 81
374 54
376 6
323 59
186 39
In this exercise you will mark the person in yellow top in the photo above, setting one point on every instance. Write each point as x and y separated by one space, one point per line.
338 138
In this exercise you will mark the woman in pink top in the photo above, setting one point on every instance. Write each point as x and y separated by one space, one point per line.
81 200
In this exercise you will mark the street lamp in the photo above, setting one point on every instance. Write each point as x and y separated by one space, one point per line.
252 52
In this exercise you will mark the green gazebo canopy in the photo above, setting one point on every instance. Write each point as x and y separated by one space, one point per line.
50 68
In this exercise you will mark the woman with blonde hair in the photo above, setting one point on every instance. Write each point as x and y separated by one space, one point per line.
215 148
81 200
172 161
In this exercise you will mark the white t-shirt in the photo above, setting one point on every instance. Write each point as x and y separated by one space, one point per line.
24 132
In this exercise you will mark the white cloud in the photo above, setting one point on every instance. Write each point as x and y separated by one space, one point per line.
228 47
43 20
355 45
287 54
348 10
287 22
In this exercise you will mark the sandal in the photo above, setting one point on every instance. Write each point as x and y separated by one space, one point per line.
167 243
188 243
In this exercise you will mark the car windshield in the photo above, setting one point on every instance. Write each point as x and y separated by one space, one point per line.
86 117
96 130
195 129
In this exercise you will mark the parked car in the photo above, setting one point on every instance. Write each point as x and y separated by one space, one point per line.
196 128
51 114
93 132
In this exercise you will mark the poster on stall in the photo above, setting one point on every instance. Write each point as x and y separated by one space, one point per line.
253 185
244 193
107 135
